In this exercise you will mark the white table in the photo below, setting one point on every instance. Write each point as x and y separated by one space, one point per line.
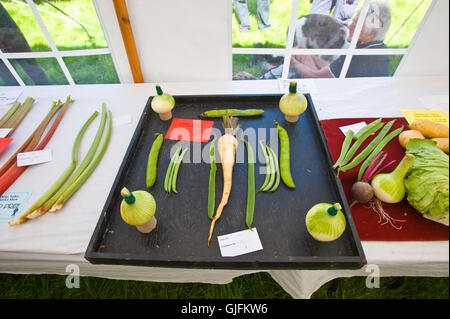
50 243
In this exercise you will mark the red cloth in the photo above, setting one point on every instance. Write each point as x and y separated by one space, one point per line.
415 227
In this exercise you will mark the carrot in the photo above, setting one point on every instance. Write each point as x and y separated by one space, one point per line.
226 145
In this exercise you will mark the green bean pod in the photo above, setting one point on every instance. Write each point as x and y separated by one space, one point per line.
359 142
366 128
272 171
344 148
250 185
285 159
212 180
277 170
232 112
267 159
167 180
176 168
152 162
376 150
369 148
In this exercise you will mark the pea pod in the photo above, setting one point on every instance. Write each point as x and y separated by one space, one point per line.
168 179
277 170
152 162
212 180
272 171
285 159
267 159
176 168
378 149
344 148
232 112
359 142
366 128
250 185
369 148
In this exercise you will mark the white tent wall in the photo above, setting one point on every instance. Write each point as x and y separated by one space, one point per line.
185 40
176 40
428 54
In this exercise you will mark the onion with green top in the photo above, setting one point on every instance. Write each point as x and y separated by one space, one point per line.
163 103
325 222
293 104
138 209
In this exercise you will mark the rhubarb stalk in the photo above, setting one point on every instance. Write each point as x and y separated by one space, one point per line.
90 154
8 114
88 171
33 139
15 120
13 172
61 179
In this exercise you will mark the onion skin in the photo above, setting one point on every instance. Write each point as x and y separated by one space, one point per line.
322 226
293 104
140 210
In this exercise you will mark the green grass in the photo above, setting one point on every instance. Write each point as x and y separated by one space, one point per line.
254 286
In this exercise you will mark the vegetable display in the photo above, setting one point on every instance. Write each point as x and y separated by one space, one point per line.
9 172
231 112
250 185
293 103
272 180
427 182
355 147
226 145
176 168
138 209
389 187
325 222
430 129
285 158
369 148
212 179
163 103
152 162
405 136
59 181
15 114
73 187
170 182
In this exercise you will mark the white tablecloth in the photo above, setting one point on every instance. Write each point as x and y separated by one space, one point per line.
50 243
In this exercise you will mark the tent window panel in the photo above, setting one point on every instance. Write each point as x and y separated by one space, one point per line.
256 66
92 69
40 71
19 30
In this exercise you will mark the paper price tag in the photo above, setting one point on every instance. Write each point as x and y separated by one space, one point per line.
239 243
9 96
354 127
33 158
121 120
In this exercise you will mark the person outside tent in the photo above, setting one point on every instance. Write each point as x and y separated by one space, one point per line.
372 35
263 13
343 9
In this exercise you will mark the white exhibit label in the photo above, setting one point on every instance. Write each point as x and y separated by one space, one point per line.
239 243
35 157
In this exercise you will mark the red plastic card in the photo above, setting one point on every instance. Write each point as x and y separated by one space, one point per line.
4 142
189 130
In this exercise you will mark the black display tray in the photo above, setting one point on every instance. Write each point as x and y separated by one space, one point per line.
180 238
